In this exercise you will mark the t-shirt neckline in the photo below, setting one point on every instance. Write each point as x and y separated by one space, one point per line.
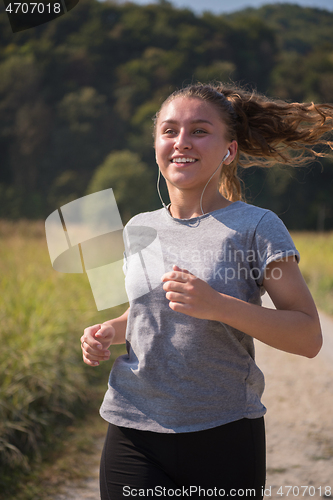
192 220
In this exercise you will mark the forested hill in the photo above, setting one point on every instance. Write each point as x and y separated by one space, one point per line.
304 38
77 96
297 28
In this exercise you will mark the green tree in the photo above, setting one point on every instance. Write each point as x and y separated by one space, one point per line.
130 179
81 109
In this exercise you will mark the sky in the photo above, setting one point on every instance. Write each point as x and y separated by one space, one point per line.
227 6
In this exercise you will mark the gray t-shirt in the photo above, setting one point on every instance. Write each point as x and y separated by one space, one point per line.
184 374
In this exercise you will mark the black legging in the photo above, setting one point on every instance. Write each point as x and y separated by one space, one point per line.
228 460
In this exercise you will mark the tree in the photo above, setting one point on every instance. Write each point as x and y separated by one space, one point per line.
130 179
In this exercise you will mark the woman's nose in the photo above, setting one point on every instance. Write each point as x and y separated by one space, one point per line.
183 141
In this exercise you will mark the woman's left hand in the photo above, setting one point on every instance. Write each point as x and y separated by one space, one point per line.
190 295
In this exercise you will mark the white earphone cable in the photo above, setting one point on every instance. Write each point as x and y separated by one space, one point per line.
158 188
223 159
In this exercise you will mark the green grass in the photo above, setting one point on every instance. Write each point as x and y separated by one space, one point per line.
316 264
44 385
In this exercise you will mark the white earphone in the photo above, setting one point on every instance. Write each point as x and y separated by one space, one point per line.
226 156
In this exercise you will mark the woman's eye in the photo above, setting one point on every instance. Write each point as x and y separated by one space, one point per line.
171 131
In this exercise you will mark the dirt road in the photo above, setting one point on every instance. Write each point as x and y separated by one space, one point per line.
299 420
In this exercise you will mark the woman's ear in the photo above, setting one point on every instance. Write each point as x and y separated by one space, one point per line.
232 150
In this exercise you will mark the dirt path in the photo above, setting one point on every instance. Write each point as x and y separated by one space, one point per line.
89 488
299 420
299 424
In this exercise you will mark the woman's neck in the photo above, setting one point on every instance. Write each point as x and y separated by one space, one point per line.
186 206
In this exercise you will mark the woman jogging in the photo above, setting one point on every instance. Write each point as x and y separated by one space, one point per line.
184 404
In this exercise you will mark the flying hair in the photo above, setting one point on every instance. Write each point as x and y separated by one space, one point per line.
268 131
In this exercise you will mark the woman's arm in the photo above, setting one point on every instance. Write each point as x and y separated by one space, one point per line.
293 327
97 339
119 324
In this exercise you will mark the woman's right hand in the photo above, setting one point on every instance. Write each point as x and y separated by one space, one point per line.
95 343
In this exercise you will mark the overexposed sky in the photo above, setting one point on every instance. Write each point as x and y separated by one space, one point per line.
227 6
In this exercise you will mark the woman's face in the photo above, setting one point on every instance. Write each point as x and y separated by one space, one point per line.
191 142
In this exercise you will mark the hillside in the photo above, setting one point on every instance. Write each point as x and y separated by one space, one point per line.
74 90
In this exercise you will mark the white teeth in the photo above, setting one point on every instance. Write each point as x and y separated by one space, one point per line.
183 160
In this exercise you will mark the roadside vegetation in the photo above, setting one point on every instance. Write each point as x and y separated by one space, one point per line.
316 264
45 388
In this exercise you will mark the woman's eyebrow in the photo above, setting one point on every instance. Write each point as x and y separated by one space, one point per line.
193 121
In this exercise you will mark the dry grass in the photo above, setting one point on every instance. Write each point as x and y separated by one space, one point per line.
44 385
316 264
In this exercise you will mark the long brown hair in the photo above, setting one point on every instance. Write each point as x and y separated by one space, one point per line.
268 131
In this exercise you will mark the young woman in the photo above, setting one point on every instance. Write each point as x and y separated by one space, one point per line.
183 406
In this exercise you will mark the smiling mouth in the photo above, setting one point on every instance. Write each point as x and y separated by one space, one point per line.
183 161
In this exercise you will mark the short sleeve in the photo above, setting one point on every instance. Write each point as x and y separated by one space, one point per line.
271 242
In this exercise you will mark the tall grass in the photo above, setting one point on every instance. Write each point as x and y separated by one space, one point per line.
316 264
44 384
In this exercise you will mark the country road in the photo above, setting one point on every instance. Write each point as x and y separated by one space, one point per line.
299 424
